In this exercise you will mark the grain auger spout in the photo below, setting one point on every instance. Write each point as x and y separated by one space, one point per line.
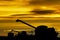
18 20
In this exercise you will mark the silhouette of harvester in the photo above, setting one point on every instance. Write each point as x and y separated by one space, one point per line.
42 32
11 35
20 36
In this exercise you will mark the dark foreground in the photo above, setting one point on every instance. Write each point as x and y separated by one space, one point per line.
41 33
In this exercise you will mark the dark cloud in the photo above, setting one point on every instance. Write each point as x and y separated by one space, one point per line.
42 12
34 2
52 0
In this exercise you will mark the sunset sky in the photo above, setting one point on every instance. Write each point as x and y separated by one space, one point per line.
10 7
10 10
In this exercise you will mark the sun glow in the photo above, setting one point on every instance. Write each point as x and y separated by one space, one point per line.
48 8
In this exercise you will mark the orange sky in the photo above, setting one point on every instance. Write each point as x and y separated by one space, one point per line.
8 8
11 10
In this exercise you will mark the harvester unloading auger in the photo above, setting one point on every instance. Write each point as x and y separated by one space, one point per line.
18 20
36 29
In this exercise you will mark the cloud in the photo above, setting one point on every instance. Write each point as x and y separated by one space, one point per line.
44 2
53 1
6 0
43 12
33 2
